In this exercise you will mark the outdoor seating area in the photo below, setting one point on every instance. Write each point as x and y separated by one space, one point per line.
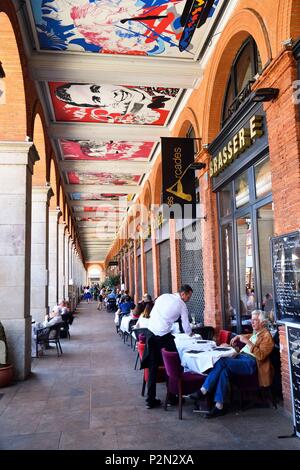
90 398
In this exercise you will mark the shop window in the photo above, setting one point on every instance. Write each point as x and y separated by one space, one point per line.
225 201
246 65
241 188
245 231
265 227
263 184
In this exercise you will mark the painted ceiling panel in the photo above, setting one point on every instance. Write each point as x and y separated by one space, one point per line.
118 179
108 150
163 28
96 197
113 104
104 208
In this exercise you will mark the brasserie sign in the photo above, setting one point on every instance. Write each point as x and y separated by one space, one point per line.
241 141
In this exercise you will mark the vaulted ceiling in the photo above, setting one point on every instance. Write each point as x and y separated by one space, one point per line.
112 76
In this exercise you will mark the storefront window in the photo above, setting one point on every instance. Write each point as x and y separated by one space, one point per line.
263 184
265 227
228 278
246 65
241 188
246 270
225 201
245 234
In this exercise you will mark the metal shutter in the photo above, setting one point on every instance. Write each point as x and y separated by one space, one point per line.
191 268
165 267
149 273
139 286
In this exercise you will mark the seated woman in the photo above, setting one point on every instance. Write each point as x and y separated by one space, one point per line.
144 317
138 310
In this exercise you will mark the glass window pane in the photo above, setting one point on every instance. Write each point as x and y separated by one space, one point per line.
225 201
263 183
246 271
230 95
241 188
228 278
265 226
244 68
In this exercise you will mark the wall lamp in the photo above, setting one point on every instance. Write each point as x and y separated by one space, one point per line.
265 94
197 166
2 73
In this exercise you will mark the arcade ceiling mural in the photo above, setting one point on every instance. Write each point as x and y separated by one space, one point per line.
106 133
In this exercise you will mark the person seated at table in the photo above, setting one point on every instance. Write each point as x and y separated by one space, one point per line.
126 306
254 356
144 317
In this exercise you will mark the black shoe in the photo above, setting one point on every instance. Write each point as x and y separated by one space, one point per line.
153 404
174 401
215 412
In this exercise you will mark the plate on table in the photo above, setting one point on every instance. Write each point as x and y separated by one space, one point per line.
202 341
217 348
197 336
194 351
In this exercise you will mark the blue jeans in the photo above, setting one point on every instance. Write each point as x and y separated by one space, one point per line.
223 369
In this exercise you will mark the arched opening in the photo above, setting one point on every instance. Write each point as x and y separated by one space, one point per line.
39 174
13 120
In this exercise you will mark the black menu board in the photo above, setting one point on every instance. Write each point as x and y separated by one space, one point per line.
293 337
286 276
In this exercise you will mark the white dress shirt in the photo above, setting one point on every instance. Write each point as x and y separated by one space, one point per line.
167 309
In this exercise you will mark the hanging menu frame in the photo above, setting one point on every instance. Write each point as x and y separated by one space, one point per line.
285 256
293 344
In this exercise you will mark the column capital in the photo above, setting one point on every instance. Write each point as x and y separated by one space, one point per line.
42 193
55 212
20 153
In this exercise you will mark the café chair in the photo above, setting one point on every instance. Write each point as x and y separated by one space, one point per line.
161 373
224 337
179 382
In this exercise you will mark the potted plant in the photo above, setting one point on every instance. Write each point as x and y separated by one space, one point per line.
6 370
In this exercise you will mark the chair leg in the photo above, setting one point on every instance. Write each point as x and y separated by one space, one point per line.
57 350
60 347
136 361
166 400
36 349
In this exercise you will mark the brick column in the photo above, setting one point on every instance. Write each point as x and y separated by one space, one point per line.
130 280
284 145
135 271
16 167
40 252
66 272
155 259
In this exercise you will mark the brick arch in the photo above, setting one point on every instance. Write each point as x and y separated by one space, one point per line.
13 114
243 24
40 168
288 25
187 119
157 185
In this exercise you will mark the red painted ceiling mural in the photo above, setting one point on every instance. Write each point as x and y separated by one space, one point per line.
118 179
106 150
114 104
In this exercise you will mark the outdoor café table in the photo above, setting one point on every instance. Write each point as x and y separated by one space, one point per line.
194 360
185 342
125 323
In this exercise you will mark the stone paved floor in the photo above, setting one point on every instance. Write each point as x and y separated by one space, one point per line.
90 399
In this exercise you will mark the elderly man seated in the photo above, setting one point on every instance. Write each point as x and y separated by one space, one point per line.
254 356
50 320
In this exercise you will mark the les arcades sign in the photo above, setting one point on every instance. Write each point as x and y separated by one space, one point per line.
179 195
240 142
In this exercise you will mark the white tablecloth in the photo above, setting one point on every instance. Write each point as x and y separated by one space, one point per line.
205 360
185 342
207 357
125 324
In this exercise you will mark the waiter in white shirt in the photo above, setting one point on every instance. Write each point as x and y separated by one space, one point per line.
167 309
